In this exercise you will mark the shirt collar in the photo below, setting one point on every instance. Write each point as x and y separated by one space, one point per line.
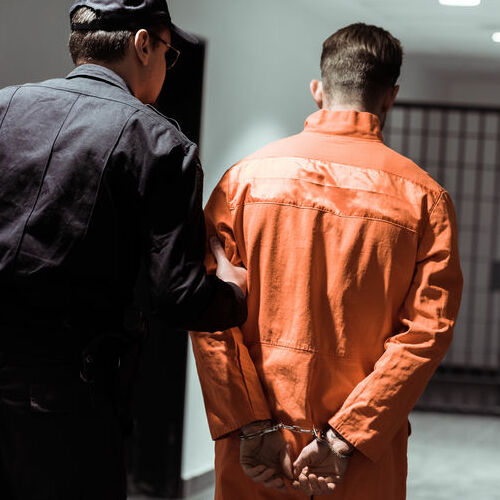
347 123
97 72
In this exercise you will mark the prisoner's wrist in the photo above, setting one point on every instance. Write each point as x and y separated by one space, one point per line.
254 427
337 443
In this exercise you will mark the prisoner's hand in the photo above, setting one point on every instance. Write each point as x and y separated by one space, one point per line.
266 459
225 270
318 469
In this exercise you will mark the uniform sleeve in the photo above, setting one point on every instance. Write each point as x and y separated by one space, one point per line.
182 292
378 407
231 387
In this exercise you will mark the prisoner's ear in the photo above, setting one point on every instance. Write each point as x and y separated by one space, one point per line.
316 87
390 98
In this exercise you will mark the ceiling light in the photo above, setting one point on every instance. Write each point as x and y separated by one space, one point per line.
496 37
461 3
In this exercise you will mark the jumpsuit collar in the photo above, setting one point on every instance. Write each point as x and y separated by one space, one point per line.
98 72
350 123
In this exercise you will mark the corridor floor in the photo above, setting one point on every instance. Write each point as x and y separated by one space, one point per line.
450 457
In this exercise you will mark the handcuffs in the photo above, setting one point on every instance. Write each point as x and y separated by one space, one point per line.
319 436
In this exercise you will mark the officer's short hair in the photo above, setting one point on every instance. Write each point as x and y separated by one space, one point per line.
106 46
359 61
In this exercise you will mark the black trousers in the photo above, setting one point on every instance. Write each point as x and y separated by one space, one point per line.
60 438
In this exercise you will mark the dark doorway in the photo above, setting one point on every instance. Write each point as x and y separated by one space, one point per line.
155 449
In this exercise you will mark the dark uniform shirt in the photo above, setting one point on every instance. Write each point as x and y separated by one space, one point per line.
91 181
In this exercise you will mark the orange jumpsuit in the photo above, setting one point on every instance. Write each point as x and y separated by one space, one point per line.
354 285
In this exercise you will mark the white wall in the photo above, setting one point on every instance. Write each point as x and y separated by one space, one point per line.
435 78
258 68
33 39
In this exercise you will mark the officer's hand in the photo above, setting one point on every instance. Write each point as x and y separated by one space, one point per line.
225 270
318 469
266 459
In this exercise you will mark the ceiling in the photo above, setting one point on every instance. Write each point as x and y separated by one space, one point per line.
423 26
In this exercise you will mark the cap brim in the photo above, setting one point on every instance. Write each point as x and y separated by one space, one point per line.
181 36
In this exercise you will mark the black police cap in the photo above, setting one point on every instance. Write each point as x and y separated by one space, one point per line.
114 15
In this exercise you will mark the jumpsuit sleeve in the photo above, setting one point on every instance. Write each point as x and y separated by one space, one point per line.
379 405
231 387
181 291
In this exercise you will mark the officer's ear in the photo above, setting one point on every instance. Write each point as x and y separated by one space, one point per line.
142 46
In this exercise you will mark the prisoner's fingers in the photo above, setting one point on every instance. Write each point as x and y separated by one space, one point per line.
286 462
304 484
276 483
319 485
329 488
303 460
311 484
331 481
264 475
253 471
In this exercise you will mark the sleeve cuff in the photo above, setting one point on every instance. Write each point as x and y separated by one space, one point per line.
220 429
365 440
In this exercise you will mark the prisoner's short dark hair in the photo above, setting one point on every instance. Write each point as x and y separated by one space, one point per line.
359 62
105 46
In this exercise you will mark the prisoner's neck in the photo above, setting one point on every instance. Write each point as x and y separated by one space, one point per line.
351 106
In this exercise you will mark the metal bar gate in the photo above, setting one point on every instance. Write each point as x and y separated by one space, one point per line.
460 147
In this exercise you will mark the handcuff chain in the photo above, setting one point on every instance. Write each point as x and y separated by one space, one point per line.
297 429
279 427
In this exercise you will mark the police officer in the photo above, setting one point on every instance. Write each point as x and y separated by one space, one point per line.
93 181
